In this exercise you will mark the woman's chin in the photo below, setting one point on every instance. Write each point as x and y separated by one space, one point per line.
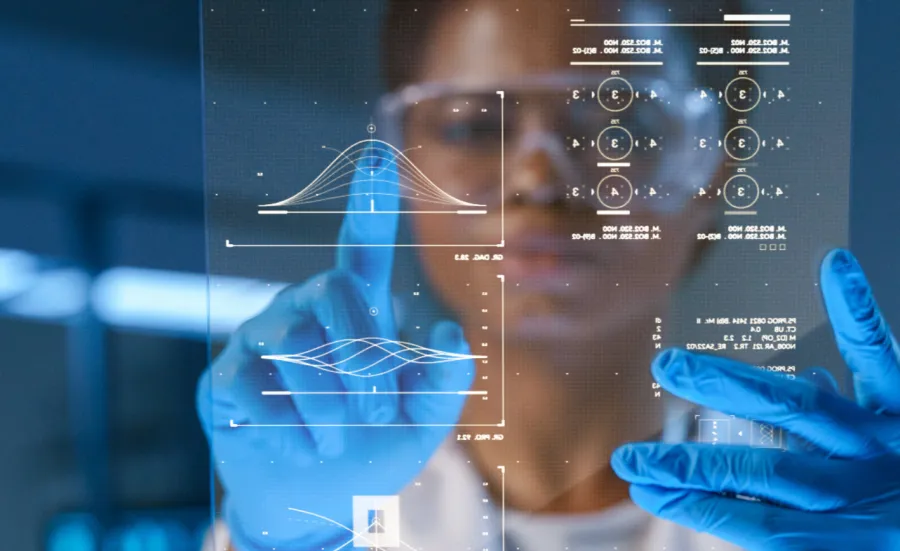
579 320
553 328
548 271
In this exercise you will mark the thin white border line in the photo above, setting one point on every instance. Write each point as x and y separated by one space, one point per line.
617 63
230 245
370 212
748 63
502 350
749 17
238 425
681 24
369 393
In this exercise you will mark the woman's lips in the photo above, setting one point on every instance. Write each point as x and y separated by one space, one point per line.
541 255
549 243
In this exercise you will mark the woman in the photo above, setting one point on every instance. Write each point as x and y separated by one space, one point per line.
578 326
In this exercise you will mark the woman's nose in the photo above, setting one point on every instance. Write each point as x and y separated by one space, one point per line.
540 169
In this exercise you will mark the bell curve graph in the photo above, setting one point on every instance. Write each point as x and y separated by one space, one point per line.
373 177
370 169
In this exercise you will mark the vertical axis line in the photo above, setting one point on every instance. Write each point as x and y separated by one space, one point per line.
502 349
502 167
502 507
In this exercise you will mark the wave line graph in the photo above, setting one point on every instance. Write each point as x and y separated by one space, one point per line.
387 172
369 356
405 352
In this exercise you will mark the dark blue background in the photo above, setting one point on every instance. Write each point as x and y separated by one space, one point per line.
101 166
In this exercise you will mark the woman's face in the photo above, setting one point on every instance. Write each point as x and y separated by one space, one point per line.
558 289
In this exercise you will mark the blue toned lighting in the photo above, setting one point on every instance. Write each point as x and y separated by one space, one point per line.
73 536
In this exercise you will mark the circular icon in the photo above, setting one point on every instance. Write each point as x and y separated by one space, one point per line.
615 94
615 143
373 311
741 192
614 192
743 94
742 143
370 129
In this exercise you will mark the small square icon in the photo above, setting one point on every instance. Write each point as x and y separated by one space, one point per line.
376 522
772 247
782 247
762 246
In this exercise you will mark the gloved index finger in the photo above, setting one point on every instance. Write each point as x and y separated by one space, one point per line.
861 332
813 483
358 348
368 234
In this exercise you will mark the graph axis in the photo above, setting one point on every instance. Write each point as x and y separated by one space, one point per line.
462 211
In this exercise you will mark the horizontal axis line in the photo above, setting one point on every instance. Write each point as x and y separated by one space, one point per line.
372 212
401 425
681 24
454 393
485 246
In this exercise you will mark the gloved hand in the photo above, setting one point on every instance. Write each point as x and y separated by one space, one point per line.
843 494
361 407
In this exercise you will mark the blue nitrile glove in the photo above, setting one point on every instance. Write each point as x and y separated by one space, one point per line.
842 495
292 487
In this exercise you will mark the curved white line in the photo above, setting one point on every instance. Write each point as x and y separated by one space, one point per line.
314 188
327 176
374 342
336 523
423 356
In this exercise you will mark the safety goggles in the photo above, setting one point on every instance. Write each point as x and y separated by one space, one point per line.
645 124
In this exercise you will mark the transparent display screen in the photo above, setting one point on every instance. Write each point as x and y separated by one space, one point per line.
446 240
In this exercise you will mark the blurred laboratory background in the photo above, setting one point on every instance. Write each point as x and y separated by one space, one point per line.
103 326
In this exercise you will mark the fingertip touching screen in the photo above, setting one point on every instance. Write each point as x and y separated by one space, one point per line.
449 242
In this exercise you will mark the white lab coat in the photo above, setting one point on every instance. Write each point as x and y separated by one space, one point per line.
444 509
452 489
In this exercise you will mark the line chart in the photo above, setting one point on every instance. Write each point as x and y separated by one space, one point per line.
392 355
384 171
371 178
375 356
